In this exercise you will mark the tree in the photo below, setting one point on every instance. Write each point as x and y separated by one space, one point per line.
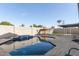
59 21
30 25
40 26
6 23
34 25
52 27
22 25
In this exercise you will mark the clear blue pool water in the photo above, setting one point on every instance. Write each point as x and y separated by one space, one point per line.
37 49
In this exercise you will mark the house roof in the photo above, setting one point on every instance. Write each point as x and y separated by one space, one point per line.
70 25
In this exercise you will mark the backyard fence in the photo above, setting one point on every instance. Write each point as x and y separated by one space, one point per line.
19 30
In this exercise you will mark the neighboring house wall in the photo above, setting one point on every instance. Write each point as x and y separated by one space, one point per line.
18 30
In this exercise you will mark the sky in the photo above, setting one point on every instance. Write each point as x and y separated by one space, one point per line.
45 14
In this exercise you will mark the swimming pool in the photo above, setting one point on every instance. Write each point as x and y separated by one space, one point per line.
36 49
22 38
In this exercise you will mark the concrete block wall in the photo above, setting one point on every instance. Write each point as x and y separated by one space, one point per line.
18 30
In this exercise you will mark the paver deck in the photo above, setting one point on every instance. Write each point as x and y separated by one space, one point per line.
63 44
